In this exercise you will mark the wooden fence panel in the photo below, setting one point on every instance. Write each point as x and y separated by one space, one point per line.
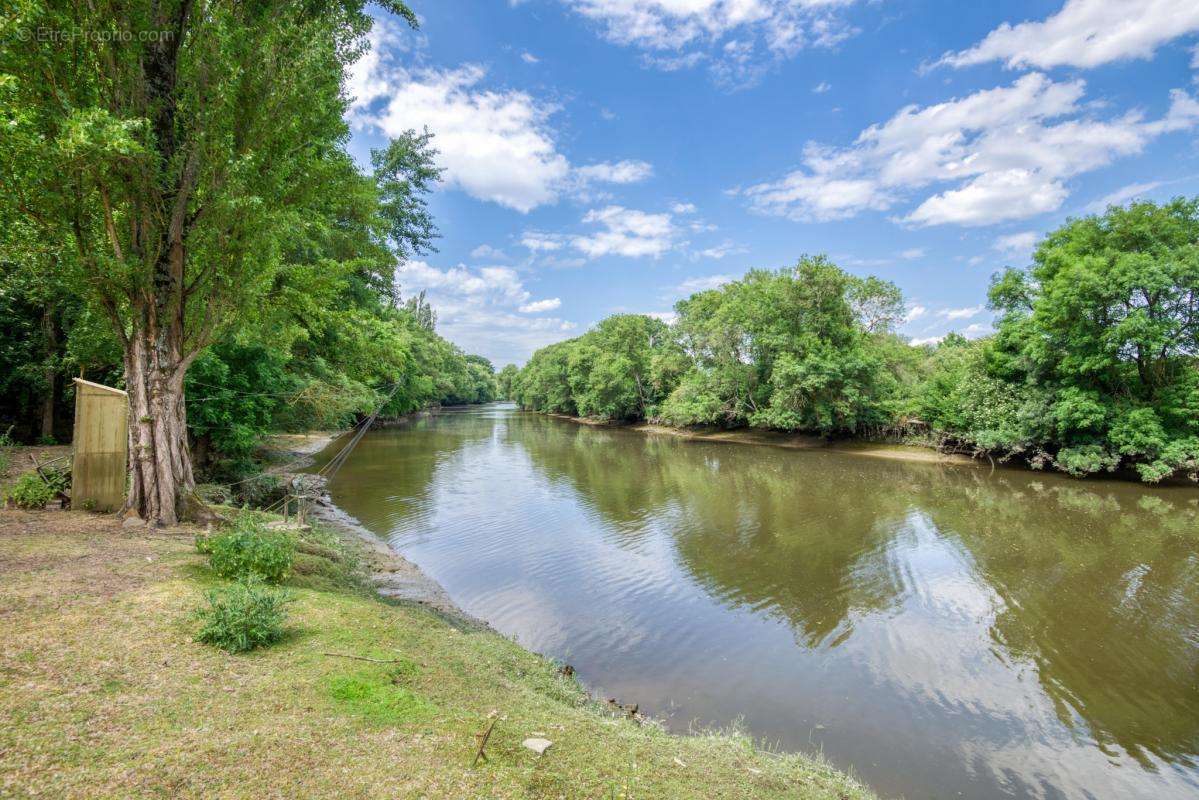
99 470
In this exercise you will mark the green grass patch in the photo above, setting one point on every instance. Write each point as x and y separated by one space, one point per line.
378 698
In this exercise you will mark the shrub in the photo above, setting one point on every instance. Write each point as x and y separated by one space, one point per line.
33 491
243 616
248 549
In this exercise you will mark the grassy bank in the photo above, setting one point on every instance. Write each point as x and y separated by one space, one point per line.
105 693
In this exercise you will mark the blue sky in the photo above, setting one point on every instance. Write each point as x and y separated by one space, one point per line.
607 156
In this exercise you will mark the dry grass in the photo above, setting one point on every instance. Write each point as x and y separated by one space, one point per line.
104 693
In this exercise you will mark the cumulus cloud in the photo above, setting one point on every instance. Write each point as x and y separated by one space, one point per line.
497 145
626 232
1122 195
738 39
960 313
702 284
484 310
538 241
487 252
1017 244
622 232
1004 153
539 306
683 208
1085 33
725 248
915 312
822 87
930 340
529 58
622 172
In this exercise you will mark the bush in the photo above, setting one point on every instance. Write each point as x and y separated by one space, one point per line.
248 549
242 617
33 491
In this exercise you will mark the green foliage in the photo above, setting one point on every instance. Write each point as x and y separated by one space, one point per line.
243 616
506 382
32 491
380 699
807 348
247 549
1093 366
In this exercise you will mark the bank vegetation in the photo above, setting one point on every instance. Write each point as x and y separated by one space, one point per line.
1091 368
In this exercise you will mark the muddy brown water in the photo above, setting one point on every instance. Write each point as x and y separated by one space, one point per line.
943 631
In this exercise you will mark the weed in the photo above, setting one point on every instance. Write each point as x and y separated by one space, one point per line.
248 549
242 617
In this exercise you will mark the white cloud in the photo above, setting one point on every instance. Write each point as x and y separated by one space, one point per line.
539 306
497 145
1123 195
931 340
1085 33
822 87
1005 153
683 208
494 145
669 317
621 172
912 253
1017 244
738 38
915 312
975 330
538 241
529 58
702 284
960 313
482 310
626 232
487 252
725 248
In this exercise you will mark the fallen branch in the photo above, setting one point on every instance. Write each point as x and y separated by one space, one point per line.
483 737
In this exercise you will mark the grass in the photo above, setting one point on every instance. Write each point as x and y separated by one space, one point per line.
105 693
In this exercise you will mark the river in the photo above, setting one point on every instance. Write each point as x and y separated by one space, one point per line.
943 631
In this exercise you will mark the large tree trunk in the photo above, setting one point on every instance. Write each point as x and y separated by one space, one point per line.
161 478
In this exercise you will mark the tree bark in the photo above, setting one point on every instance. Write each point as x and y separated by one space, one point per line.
161 477
50 329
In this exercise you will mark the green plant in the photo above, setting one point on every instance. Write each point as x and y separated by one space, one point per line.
32 490
6 444
248 549
242 617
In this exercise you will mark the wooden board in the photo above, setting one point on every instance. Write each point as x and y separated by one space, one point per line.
99 470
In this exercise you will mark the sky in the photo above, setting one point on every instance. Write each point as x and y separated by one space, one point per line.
614 156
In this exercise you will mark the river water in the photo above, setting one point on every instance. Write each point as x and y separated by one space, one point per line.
944 631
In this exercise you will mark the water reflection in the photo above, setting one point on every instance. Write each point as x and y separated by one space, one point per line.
943 630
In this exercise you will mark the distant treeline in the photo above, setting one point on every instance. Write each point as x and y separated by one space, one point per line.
1092 366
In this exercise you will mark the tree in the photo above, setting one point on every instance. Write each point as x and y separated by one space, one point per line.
506 382
175 160
1106 325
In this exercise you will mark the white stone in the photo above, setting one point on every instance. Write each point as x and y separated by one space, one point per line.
537 745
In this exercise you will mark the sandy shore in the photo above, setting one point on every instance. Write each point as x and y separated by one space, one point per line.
791 441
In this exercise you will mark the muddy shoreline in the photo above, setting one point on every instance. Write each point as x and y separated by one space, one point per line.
790 441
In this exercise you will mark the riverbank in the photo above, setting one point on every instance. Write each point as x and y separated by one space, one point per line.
791 441
105 693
